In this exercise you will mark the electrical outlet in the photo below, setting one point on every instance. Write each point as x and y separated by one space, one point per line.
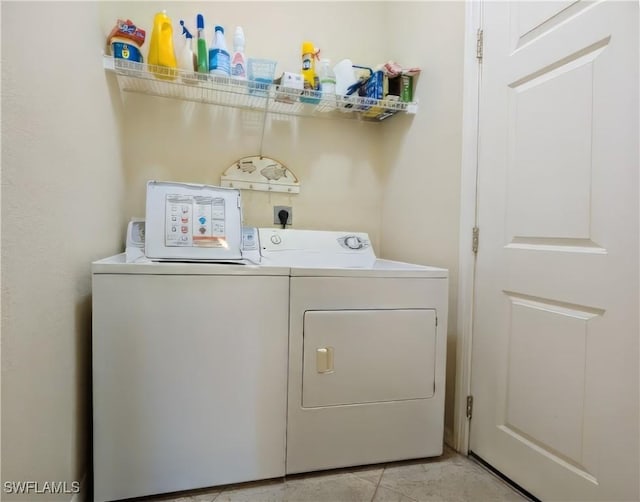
277 209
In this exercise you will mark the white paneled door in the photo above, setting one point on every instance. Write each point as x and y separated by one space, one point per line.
556 333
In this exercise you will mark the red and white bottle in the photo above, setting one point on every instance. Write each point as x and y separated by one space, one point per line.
238 61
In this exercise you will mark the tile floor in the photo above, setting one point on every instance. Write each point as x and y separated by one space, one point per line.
449 478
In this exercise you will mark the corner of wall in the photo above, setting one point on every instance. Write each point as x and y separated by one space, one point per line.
83 493
421 201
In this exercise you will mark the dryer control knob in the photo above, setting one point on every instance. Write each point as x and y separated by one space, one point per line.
353 242
275 239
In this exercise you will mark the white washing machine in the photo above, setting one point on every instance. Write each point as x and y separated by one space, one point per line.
367 351
189 375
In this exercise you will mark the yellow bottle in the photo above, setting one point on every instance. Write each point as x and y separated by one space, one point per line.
308 66
161 54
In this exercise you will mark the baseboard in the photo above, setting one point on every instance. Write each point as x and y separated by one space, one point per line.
81 496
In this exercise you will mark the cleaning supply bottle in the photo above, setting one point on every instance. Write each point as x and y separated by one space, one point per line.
309 67
327 85
186 58
219 60
203 55
125 40
161 53
327 79
238 61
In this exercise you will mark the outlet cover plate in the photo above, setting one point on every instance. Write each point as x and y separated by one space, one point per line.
277 209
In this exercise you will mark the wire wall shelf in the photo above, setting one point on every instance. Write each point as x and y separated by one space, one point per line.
235 93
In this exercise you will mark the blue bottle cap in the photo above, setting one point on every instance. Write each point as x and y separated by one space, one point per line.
219 28
200 22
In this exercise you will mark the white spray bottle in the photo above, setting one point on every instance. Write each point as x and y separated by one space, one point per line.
186 57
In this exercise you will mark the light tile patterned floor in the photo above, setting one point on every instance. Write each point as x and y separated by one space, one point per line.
449 478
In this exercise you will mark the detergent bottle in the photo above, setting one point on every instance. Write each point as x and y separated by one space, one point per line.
125 40
161 53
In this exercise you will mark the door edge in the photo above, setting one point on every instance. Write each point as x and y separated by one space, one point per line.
466 256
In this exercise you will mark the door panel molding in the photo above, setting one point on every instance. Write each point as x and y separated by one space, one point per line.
557 457
548 24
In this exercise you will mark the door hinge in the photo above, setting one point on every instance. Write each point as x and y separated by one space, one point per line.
469 406
479 44
475 239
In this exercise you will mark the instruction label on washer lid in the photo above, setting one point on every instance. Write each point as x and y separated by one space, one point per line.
195 221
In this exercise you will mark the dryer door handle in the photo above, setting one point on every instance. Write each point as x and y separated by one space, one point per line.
324 360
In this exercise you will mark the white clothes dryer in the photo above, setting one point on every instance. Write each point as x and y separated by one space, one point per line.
367 351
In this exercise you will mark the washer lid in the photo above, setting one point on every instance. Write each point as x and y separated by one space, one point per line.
117 265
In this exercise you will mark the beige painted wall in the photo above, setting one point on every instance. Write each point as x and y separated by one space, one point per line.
62 190
420 214
76 154
338 162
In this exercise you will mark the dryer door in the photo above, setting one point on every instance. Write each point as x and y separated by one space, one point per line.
368 356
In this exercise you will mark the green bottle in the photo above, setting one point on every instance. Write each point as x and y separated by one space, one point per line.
203 54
